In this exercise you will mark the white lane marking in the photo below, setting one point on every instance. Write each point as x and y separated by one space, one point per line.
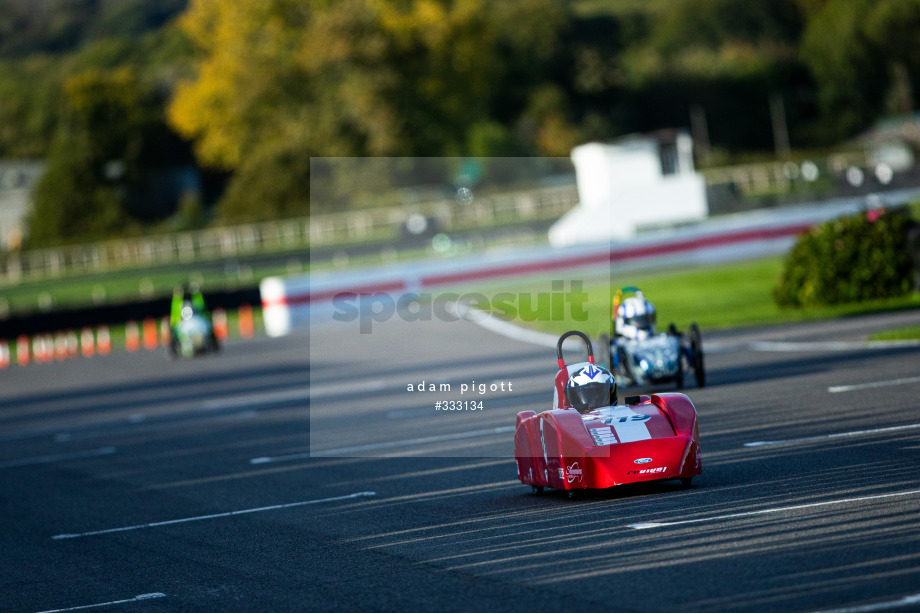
99 605
53 458
164 523
828 346
886 429
716 347
246 400
518 333
303 393
891 382
655 525
875 607
509 330
381 445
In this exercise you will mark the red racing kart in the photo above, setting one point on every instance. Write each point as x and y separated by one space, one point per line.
649 438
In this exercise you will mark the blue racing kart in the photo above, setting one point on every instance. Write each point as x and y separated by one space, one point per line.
657 359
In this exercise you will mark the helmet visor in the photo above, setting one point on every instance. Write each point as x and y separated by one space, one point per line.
589 396
643 322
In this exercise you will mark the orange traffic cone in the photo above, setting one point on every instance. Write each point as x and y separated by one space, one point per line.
87 343
150 334
220 324
244 314
165 332
132 336
60 346
40 348
72 344
22 350
104 340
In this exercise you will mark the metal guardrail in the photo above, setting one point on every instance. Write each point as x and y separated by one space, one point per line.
293 234
779 176
183 247
522 205
361 225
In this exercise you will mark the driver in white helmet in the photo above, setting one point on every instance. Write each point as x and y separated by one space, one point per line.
636 318
590 387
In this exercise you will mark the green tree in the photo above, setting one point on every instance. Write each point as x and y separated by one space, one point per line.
93 185
71 203
864 57
850 259
30 95
274 183
358 78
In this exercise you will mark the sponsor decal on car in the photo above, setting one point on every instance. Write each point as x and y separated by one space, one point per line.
622 419
603 436
648 471
574 472
642 461
629 425
571 473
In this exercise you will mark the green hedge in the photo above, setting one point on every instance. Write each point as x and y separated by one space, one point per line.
850 259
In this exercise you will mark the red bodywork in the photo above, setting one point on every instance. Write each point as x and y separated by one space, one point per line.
654 439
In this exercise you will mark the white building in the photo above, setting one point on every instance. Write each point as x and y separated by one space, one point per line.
632 183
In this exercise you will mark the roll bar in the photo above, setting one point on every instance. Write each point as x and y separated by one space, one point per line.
583 337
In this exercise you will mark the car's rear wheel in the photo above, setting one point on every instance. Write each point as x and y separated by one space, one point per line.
696 352
624 369
686 482
537 490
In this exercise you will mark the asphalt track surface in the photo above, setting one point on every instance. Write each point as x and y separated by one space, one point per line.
135 483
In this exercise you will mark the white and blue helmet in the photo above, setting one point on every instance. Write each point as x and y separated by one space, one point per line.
590 387
636 317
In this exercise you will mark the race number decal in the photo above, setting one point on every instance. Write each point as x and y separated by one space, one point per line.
629 425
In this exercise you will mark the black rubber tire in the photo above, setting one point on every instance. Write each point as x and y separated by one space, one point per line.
624 371
570 494
537 490
686 482
696 350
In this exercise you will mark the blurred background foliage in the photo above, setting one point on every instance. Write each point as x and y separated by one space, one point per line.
115 93
848 260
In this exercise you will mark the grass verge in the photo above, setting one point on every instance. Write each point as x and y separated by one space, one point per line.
715 297
897 334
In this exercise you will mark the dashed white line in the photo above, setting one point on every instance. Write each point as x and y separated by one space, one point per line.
869 385
212 516
248 400
380 445
99 605
875 607
506 329
775 510
53 458
829 346
886 429
302 393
